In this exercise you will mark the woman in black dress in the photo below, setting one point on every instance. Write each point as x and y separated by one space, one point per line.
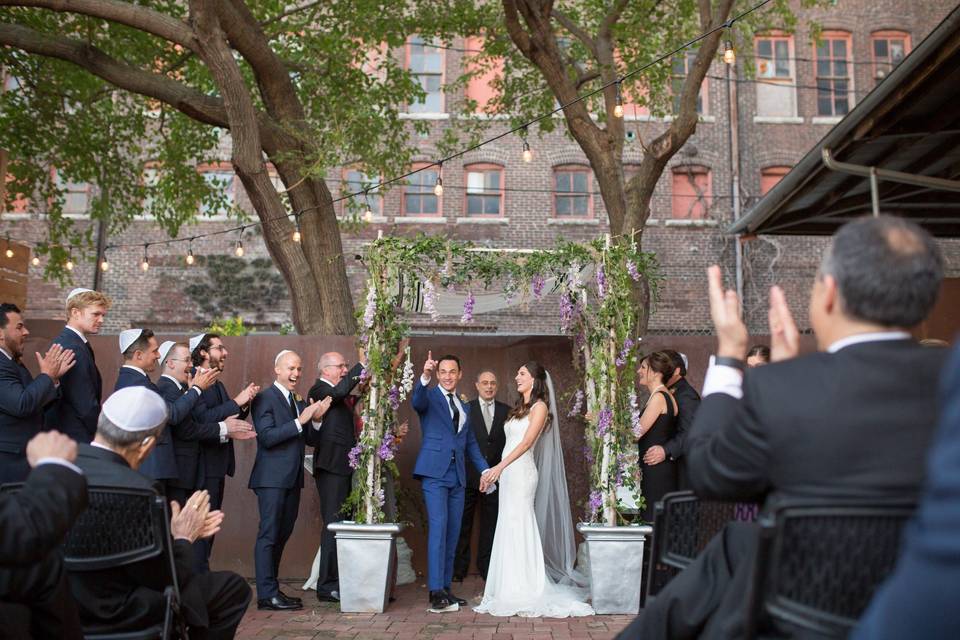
658 424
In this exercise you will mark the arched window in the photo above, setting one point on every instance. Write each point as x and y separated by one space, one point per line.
889 48
833 54
691 193
484 193
770 176
572 196
425 62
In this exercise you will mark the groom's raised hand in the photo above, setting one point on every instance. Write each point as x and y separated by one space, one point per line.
429 366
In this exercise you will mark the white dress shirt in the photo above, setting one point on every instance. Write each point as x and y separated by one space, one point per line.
79 333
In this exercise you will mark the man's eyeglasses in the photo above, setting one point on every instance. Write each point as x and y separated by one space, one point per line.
337 366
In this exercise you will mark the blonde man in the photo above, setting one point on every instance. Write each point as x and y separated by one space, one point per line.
78 408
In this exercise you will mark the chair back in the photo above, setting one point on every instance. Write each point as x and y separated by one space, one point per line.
819 561
683 526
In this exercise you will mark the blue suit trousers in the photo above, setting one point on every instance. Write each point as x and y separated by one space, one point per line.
444 498
278 515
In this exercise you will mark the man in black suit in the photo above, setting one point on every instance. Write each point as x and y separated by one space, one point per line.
208 352
78 408
840 422
131 597
282 420
22 399
33 522
331 466
186 436
688 401
487 415
140 356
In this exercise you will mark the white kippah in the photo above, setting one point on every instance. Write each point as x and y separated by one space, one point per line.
686 365
282 353
128 337
77 291
135 409
165 349
195 341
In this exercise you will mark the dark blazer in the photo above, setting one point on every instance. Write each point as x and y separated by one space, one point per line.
22 400
35 519
161 464
491 445
215 405
280 445
919 598
131 596
840 424
77 411
688 401
337 435
187 436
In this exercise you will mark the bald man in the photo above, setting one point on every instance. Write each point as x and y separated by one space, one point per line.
331 467
281 418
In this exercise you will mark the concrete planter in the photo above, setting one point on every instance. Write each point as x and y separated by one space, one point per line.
365 560
615 566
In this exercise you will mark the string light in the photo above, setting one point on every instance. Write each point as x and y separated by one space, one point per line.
69 264
368 214
527 153
190 258
35 260
618 108
729 55
104 265
296 234
145 263
438 188
9 248
239 249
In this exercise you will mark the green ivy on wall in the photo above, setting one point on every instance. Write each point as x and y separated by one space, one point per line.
230 286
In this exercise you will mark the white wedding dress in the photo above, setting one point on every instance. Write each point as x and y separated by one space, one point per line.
517 580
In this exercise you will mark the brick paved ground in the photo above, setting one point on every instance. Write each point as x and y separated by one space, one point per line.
407 619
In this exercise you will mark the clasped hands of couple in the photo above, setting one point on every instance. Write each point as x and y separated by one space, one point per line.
448 381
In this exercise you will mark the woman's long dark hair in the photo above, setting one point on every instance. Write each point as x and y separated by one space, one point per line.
538 392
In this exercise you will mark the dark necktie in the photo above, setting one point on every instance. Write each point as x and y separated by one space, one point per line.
456 413
293 405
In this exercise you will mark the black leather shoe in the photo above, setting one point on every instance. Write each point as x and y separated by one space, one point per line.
440 603
458 577
287 598
453 598
333 596
277 604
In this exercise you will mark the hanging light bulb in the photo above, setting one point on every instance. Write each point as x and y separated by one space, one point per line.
618 107
104 265
145 263
9 248
69 264
35 260
368 215
297 236
527 152
190 258
239 249
438 188
729 55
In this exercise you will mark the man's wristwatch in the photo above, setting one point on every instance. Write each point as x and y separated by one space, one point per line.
727 361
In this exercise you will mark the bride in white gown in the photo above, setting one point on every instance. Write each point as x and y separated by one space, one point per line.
531 565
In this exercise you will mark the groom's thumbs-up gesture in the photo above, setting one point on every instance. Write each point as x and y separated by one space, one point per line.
429 366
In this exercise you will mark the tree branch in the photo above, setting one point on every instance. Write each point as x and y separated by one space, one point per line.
580 33
206 109
126 13
609 20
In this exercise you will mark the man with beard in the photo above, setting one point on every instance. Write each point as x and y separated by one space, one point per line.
23 398
282 420
186 436
208 352
75 413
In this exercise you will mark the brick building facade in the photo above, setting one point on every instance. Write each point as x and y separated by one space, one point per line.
495 198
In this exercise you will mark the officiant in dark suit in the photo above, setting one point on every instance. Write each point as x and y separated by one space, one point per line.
331 466
23 398
76 411
839 422
487 415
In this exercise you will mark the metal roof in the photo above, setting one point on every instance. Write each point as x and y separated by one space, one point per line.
907 129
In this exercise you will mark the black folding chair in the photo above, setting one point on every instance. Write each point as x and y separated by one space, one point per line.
683 526
819 562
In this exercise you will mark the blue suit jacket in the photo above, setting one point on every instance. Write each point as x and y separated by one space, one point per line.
280 446
187 437
22 400
441 444
920 599
215 405
78 409
161 464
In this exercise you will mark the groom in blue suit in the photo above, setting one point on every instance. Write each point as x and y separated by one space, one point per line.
440 467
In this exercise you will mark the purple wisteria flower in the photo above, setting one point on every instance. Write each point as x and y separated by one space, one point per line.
633 271
430 299
601 282
393 395
635 416
622 357
596 502
588 453
538 283
379 495
387 447
371 310
364 375
353 458
577 404
567 311
604 421
468 308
